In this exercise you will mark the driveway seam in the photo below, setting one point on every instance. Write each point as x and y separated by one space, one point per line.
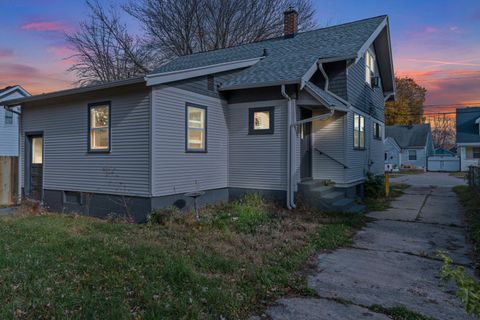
422 222
411 254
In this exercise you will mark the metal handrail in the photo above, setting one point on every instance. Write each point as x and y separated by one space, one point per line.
326 155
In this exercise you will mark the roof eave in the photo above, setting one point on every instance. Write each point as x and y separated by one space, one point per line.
68 92
259 85
171 76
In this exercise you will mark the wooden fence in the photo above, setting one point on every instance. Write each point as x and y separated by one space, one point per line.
8 180
474 177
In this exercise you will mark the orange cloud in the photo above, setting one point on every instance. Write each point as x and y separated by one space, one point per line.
34 80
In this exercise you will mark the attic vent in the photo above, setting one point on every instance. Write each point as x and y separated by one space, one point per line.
211 82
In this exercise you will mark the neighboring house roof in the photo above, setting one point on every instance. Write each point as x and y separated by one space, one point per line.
413 136
393 143
443 152
286 59
467 127
7 91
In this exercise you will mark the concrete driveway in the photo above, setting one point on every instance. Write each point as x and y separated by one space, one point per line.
392 261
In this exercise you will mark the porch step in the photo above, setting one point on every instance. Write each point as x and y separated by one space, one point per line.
333 196
327 197
342 203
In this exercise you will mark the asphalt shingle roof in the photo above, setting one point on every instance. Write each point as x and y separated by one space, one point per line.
467 129
409 136
287 59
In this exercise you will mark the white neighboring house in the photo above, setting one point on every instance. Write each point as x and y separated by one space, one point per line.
468 137
9 121
415 142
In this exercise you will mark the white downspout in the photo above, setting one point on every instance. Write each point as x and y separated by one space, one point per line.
290 123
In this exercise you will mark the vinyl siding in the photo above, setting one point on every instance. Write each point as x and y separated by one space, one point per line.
257 161
329 136
377 155
174 170
357 160
9 132
361 96
393 156
421 161
337 76
68 165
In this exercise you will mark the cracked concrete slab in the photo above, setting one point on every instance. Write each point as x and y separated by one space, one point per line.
319 309
386 278
420 239
391 261
395 214
409 201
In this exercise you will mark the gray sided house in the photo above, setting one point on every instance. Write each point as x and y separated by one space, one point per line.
415 143
393 159
280 117
468 137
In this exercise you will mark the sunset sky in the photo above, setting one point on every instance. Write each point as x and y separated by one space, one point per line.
437 42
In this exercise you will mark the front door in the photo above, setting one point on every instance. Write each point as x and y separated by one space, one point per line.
306 145
36 168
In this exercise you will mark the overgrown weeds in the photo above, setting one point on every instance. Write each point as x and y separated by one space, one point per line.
239 255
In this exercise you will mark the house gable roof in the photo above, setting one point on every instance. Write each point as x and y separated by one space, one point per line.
287 60
414 136
7 91
467 127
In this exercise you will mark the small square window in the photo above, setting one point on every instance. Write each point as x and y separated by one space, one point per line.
412 155
261 120
99 127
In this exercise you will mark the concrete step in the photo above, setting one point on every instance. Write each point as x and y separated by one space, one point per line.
322 190
333 196
343 203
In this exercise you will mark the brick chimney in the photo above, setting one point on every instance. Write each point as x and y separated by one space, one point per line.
290 22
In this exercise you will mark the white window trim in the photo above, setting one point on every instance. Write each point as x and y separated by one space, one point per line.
356 144
370 71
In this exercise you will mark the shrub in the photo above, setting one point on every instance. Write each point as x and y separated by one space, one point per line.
468 288
374 186
163 215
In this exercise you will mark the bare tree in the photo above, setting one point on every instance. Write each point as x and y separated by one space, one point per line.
104 49
182 27
443 130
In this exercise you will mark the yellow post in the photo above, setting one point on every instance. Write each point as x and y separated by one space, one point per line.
387 184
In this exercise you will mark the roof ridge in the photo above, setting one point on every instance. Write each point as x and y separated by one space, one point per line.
282 37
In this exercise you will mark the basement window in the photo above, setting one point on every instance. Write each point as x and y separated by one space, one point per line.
72 197
358 132
99 127
261 120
